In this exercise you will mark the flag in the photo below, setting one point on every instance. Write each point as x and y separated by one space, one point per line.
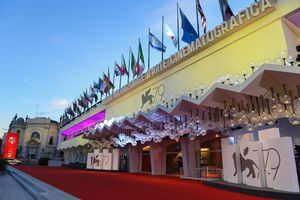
70 111
140 64
111 85
80 102
107 83
96 86
66 116
76 108
123 66
118 70
87 98
225 10
93 94
189 33
156 43
170 34
202 16
101 85
132 63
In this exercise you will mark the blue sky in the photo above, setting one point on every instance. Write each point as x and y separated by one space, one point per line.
51 50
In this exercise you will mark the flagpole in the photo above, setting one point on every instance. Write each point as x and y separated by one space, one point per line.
149 49
113 81
162 38
178 26
138 61
120 83
197 15
106 86
100 88
129 65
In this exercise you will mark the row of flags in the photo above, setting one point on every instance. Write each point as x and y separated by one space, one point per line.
189 33
105 84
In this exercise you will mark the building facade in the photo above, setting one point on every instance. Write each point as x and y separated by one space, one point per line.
37 137
196 110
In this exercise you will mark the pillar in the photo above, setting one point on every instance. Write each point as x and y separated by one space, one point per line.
198 152
190 155
135 158
158 154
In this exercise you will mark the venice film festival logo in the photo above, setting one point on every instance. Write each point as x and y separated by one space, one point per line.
11 140
99 160
271 163
153 95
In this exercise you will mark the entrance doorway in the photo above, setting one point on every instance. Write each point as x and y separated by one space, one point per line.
211 153
32 153
174 159
146 160
124 162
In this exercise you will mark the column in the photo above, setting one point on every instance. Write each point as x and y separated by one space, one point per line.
190 156
158 158
135 157
198 152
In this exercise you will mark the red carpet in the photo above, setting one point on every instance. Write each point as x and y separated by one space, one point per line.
114 186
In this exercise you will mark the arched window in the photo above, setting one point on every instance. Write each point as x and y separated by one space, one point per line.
51 140
35 135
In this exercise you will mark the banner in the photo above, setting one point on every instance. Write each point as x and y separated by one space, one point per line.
269 162
11 145
104 160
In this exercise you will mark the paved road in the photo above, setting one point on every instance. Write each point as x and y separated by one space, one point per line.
11 190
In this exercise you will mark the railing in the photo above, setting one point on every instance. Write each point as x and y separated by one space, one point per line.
202 173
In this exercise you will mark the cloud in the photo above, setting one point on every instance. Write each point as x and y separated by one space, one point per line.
59 103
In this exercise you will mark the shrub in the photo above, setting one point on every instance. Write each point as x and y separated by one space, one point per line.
43 161
3 164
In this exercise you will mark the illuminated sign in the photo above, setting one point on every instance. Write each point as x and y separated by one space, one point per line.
11 145
81 126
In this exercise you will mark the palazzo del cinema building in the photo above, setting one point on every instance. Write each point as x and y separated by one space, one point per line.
225 107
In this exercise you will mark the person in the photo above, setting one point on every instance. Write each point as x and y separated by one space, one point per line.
179 162
203 162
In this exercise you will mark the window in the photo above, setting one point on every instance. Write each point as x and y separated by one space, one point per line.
35 135
51 141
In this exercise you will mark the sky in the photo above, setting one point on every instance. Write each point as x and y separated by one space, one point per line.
52 50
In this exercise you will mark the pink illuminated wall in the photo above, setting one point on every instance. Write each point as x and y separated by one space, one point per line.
88 122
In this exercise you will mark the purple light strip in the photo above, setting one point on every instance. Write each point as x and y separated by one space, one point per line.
88 122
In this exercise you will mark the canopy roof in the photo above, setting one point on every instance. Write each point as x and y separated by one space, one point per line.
257 85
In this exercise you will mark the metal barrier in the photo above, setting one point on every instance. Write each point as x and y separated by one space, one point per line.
202 173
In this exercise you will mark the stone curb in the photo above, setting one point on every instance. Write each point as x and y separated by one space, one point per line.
36 188
36 195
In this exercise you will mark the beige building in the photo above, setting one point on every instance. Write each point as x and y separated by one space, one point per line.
37 137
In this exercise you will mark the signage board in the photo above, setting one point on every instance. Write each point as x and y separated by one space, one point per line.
11 145
104 160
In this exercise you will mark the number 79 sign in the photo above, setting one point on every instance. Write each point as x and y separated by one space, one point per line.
153 95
